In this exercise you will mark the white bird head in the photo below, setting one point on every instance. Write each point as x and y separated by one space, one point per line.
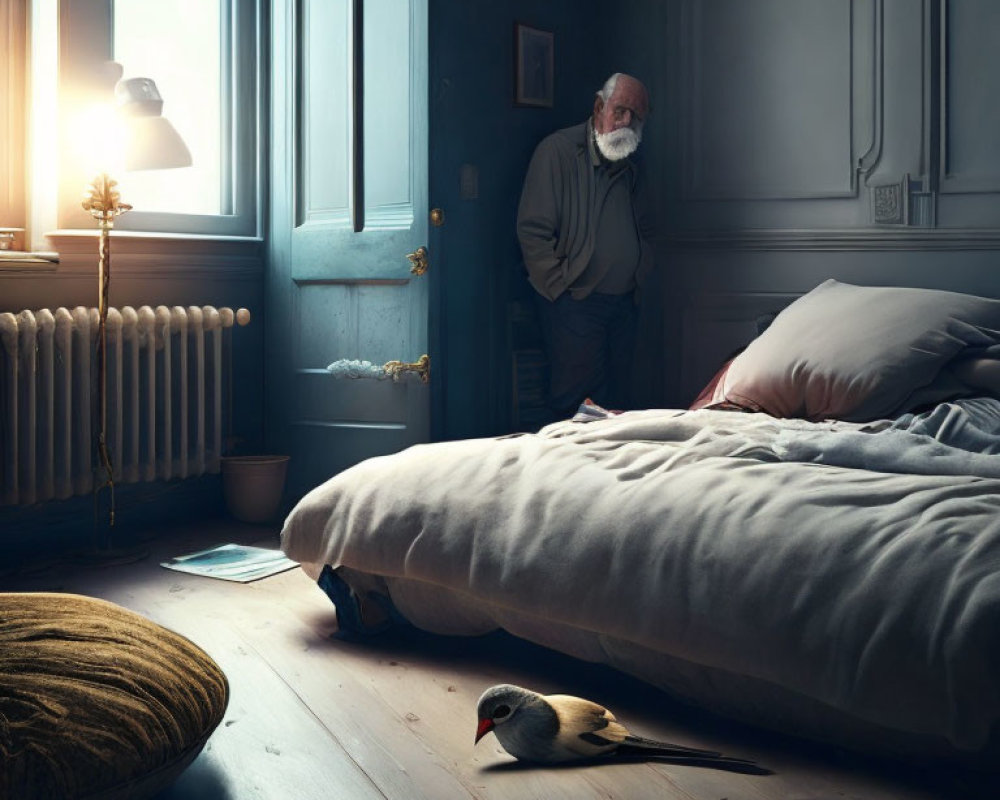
498 704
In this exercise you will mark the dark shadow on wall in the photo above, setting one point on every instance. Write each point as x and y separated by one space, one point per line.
479 150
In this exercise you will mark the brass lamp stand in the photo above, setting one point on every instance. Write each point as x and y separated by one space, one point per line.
104 204
149 142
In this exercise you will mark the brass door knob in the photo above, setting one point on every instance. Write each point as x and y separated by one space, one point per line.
422 367
437 217
419 261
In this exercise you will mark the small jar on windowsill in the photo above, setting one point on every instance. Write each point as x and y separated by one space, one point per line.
12 254
8 239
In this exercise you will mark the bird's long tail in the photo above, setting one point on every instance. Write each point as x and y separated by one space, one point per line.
641 748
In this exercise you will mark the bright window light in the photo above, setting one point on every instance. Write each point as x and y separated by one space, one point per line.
104 153
178 44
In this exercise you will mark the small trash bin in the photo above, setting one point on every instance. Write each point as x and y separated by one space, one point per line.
253 486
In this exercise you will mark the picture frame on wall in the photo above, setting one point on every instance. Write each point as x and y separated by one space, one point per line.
534 66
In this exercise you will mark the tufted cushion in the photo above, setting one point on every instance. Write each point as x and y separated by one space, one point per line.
97 701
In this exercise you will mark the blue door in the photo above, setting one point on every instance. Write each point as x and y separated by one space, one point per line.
349 219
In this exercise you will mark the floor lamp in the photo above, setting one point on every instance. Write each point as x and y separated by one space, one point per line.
149 141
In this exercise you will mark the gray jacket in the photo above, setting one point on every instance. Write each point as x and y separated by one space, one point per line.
559 207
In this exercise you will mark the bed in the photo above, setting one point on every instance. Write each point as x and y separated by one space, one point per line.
814 547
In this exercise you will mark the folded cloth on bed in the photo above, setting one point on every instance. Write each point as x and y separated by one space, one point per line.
957 438
697 535
590 411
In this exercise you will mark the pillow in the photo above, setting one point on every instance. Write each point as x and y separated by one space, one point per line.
980 373
711 394
97 701
860 353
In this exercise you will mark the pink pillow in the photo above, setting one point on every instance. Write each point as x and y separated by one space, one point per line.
712 393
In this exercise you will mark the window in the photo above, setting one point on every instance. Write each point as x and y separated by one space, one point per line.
204 56
179 45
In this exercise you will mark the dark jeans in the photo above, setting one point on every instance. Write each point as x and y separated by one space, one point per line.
589 344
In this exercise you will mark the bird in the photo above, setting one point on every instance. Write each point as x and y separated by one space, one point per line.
556 728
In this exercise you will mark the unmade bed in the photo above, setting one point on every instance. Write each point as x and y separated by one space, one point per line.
816 550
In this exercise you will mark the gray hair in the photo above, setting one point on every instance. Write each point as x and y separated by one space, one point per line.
609 87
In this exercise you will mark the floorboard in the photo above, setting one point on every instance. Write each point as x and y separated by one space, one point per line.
312 715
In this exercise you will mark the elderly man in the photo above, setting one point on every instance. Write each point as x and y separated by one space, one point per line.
581 226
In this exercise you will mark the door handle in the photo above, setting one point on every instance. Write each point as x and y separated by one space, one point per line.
418 259
422 366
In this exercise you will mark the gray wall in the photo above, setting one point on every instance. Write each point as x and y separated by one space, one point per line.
808 139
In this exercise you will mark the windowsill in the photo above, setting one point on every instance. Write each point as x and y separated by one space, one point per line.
144 254
18 259
75 252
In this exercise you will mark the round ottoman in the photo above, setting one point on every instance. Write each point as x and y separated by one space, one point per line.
97 701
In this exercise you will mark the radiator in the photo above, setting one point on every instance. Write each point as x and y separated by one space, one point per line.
167 376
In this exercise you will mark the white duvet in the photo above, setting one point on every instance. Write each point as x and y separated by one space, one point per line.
834 579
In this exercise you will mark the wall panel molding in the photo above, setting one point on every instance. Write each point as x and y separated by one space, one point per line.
146 255
761 80
875 75
827 240
970 96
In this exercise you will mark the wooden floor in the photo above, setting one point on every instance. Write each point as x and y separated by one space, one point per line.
314 716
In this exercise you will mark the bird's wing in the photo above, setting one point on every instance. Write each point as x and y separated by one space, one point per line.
586 729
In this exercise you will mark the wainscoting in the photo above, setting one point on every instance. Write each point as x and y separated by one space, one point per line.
725 282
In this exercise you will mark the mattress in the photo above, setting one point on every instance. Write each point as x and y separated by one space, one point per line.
831 579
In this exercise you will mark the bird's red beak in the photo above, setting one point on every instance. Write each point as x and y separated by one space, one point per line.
485 726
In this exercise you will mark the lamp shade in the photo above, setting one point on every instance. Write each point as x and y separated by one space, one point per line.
151 141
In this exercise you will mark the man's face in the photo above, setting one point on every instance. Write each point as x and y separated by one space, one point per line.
626 108
618 122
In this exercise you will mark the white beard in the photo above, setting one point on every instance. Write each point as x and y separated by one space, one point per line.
618 144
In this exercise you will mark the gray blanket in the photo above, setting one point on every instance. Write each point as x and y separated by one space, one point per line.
856 565
958 438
